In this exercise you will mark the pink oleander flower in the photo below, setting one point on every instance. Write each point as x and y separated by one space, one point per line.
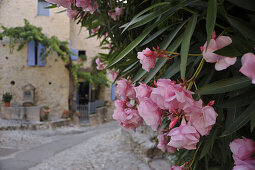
127 117
245 165
63 3
150 113
248 66
162 144
71 13
171 96
184 136
177 167
115 15
242 149
202 118
125 89
109 46
142 91
100 65
215 44
114 74
87 5
147 59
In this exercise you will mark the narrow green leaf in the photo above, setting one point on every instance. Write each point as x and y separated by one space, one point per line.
149 17
155 35
139 75
247 4
240 121
160 63
131 66
134 43
186 44
172 69
252 122
211 19
243 27
144 11
241 100
229 51
223 86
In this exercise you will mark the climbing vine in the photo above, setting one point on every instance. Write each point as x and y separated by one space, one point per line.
27 33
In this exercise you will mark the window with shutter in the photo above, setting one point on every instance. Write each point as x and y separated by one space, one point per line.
34 54
42 10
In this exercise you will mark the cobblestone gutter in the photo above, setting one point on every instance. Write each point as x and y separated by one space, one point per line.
20 125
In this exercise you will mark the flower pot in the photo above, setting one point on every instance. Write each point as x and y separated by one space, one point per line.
7 104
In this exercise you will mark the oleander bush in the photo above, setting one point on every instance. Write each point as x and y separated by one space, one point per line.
184 67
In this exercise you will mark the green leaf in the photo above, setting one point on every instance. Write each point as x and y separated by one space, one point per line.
243 27
247 4
149 17
211 19
144 11
208 145
134 43
130 66
229 51
160 63
241 100
51 6
223 86
186 44
155 35
240 121
252 123
172 69
139 75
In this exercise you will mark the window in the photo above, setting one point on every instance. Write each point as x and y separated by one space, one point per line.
34 57
82 55
42 11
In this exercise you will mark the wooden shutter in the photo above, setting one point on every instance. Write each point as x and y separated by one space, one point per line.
74 57
31 53
113 92
40 60
42 11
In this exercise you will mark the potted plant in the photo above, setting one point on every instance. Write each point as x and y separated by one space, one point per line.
7 97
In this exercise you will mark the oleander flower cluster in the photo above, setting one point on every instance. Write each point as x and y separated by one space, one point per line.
86 5
148 57
189 119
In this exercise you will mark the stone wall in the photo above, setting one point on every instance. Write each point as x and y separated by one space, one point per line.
13 13
51 82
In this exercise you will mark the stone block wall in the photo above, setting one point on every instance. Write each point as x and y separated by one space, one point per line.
51 82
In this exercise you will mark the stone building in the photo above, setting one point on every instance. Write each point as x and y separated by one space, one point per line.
50 79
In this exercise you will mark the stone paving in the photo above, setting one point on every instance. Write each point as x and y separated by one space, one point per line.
94 148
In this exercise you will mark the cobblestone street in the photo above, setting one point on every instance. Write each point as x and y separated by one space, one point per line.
69 149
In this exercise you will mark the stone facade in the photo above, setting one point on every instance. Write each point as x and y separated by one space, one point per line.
51 82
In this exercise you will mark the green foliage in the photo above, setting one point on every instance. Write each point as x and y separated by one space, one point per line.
182 26
28 32
7 97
